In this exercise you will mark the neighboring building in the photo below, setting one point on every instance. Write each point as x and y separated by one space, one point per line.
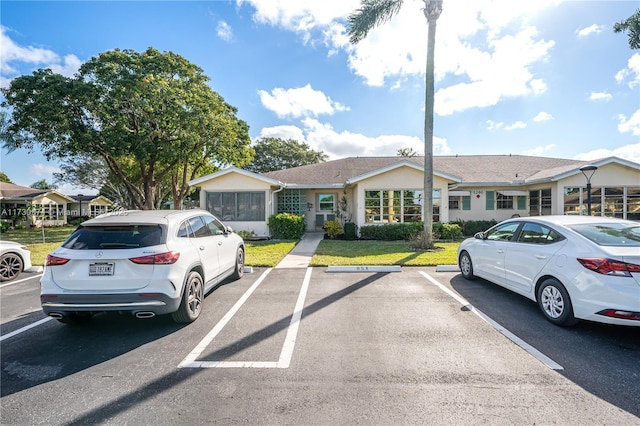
22 205
375 190
88 205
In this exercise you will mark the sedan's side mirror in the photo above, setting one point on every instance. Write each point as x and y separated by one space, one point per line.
479 236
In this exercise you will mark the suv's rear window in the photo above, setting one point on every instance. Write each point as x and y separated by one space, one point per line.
610 235
115 237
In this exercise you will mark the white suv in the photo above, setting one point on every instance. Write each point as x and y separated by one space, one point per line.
147 262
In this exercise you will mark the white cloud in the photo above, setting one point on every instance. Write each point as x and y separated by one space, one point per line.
631 72
283 132
224 31
628 152
492 125
396 50
299 102
540 150
631 124
323 137
543 116
516 125
14 58
600 96
591 29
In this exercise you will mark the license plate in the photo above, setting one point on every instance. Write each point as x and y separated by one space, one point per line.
100 269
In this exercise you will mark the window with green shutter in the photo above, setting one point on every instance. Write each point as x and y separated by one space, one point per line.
522 202
466 202
490 200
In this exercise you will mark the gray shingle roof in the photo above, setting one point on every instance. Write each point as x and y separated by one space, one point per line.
469 168
10 190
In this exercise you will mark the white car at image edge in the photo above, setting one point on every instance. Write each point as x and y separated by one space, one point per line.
146 263
14 259
574 267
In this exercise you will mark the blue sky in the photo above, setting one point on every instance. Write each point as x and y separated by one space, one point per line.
547 78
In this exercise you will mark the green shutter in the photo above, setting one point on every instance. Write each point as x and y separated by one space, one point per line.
522 202
490 200
466 202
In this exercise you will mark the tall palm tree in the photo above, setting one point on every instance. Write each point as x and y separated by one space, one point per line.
376 12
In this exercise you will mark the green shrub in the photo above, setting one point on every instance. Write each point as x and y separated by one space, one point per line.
246 234
391 231
447 231
471 227
333 228
4 226
286 226
350 231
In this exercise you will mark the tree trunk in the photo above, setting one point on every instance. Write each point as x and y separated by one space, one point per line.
428 137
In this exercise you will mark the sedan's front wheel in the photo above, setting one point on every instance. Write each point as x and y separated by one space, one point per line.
555 303
192 298
466 266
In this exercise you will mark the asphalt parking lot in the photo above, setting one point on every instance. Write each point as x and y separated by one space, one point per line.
307 346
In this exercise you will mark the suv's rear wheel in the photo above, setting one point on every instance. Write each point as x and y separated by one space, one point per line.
192 298
239 272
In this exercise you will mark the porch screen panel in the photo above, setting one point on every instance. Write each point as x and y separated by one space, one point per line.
633 203
237 206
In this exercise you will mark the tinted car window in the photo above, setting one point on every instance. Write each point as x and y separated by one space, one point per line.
115 237
610 234
199 228
184 231
215 227
534 233
503 232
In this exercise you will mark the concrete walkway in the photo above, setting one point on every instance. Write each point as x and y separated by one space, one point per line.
301 254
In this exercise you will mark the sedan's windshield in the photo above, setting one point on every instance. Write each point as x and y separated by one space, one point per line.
610 234
114 237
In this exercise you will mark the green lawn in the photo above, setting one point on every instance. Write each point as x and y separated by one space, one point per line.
269 253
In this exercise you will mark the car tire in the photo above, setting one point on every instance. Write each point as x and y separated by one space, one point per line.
466 266
192 298
555 303
10 266
239 272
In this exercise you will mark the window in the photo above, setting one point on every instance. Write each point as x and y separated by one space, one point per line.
97 210
237 206
454 203
533 233
397 205
540 202
503 232
504 202
326 202
613 201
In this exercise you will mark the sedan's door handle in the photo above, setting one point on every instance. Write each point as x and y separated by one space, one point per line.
201 248
219 243
500 251
540 256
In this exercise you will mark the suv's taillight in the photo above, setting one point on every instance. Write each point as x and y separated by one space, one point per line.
609 266
55 260
157 259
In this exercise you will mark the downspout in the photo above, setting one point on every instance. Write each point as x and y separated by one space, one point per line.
271 198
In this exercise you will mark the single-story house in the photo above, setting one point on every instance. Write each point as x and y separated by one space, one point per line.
22 205
376 190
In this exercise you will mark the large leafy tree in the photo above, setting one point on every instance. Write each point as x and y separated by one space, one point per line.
4 178
43 184
631 26
376 12
151 111
278 154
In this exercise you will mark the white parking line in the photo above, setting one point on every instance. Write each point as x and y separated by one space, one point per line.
287 348
20 281
515 339
23 329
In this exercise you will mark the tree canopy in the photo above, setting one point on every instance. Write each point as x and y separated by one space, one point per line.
4 178
43 184
150 117
278 154
631 26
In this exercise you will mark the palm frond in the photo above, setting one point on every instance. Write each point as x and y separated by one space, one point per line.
371 14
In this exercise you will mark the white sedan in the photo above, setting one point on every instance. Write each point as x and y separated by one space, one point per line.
574 267
14 258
